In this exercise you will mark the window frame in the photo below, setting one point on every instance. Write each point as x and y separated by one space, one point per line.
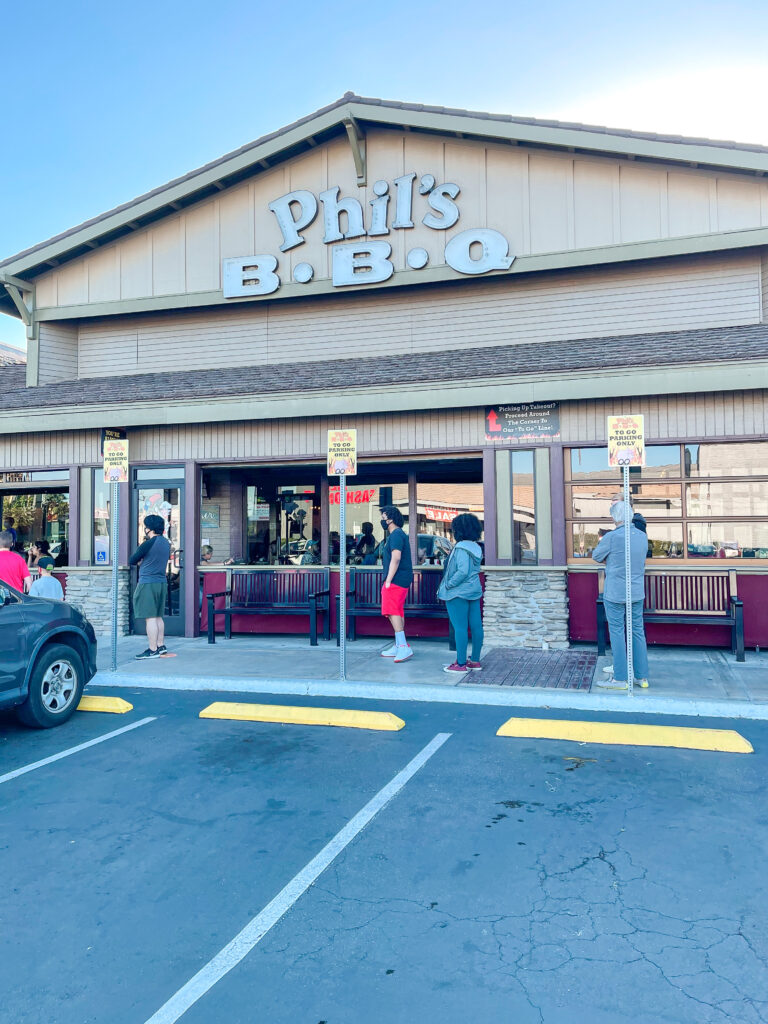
647 477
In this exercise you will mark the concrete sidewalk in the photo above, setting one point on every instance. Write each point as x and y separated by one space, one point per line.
689 681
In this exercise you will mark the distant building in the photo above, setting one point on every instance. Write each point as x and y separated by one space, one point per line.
9 355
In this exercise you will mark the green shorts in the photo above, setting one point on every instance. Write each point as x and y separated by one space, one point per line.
149 600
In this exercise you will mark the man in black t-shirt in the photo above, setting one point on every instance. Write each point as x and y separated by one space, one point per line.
150 596
398 576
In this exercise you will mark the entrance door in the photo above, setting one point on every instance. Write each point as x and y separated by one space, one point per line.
164 497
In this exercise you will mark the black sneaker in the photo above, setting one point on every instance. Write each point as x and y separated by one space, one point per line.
148 654
162 649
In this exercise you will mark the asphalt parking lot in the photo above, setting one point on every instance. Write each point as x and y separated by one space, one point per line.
170 872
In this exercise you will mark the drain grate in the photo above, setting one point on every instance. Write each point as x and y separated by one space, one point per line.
518 666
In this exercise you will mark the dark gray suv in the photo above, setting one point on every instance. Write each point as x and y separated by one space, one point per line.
47 655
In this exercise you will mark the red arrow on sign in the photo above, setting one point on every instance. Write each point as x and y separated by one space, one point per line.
492 420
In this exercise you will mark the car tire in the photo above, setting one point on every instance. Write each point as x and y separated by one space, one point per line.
55 687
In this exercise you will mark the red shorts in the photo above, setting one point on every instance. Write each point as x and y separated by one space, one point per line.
393 600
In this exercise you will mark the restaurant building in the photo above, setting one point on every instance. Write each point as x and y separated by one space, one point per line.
474 293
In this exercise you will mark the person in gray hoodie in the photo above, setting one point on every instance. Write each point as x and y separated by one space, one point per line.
461 590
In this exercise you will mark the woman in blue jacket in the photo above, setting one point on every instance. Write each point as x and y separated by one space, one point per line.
461 590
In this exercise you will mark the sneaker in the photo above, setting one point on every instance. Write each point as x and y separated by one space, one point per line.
611 684
608 669
389 652
474 666
148 654
456 668
403 653
642 683
162 649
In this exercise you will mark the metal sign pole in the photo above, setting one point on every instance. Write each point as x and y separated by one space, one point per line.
114 552
628 575
343 576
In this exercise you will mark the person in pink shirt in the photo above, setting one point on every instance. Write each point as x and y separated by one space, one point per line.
13 568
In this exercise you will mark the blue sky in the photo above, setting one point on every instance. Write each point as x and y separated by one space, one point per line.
105 101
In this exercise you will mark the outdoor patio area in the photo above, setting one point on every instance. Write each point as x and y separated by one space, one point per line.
675 672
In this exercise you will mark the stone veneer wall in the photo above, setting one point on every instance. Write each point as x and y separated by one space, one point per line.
524 607
90 591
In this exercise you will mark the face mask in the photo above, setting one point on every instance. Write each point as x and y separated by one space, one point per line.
384 525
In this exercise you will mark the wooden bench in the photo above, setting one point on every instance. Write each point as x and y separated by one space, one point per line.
364 598
687 598
274 592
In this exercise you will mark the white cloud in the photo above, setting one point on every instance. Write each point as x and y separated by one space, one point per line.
725 102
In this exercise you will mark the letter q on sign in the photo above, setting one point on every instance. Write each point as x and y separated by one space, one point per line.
494 253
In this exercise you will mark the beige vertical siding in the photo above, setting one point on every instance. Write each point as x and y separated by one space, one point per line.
541 201
664 295
699 416
710 416
58 353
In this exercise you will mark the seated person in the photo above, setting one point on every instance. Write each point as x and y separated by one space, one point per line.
365 546
38 549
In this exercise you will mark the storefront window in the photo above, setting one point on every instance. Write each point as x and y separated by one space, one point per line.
650 500
363 503
661 461
722 517
438 504
523 509
728 540
746 458
39 515
282 524
101 519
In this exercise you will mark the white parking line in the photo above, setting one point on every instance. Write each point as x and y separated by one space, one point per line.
72 750
231 955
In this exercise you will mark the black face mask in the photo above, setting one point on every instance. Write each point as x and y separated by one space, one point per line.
384 525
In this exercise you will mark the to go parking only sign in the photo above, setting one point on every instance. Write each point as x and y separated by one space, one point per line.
626 441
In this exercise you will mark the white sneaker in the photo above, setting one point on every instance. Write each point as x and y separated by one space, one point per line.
403 653
642 683
389 652
611 684
608 669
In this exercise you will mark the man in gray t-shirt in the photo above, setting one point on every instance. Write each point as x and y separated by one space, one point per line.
151 592
45 585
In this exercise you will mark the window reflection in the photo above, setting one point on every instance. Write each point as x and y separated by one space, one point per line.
661 460
363 520
665 540
101 520
438 505
744 496
728 540
737 498
747 458
650 500
42 515
283 524
523 509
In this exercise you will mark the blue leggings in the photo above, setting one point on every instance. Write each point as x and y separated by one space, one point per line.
464 616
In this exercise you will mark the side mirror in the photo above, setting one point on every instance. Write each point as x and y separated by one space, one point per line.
5 597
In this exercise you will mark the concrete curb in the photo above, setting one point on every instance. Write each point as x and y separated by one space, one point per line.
639 703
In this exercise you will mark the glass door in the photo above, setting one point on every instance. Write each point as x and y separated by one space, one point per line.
164 497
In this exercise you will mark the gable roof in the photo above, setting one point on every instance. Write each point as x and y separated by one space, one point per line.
359 111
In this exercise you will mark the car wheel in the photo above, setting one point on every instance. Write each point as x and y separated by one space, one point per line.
55 688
